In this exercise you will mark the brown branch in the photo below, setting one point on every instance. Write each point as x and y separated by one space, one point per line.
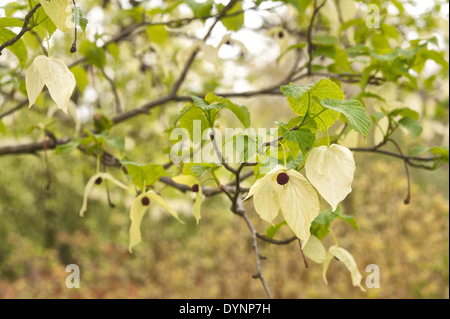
191 59
31 148
408 178
24 29
275 241
240 211
20 105
119 108
309 34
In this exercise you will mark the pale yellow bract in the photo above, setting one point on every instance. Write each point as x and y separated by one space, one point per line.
297 200
331 171
55 75
137 213
190 181
315 250
90 185
60 12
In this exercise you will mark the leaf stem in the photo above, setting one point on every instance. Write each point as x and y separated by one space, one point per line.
284 155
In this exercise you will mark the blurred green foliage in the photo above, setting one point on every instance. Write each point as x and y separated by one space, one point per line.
41 231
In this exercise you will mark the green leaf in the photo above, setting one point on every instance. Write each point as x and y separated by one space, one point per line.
10 22
411 125
190 114
2 128
322 89
324 39
320 227
353 110
200 9
201 103
197 169
46 23
241 113
19 49
405 112
213 101
349 219
441 151
157 34
68 147
113 49
303 137
417 150
102 123
144 175
369 95
93 54
81 77
82 21
273 230
236 22
116 142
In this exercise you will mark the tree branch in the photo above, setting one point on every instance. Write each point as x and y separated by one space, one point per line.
24 29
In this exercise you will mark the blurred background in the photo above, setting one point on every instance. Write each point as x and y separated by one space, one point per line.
41 231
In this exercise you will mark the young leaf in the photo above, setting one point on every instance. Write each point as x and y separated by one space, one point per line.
411 125
320 226
19 49
353 110
304 138
189 116
2 128
68 147
322 89
271 231
350 220
241 113
144 175
235 22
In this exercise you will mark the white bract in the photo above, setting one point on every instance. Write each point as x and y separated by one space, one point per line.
97 179
347 259
55 75
315 250
331 170
296 198
138 209
191 181
60 12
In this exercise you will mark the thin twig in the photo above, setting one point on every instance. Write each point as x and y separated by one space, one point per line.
309 34
408 178
24 29
119 108
258 256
